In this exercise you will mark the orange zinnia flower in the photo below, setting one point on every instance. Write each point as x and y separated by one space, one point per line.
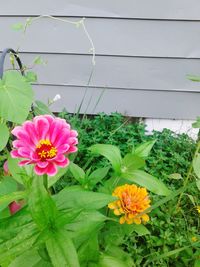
132 201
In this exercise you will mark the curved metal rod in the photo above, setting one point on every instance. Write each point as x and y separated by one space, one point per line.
2 59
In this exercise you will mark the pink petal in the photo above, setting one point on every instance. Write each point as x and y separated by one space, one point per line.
5 168
62 137
29 127
14 207
42 164
42 126
62 164
24 152
24 162
63 148
14 154
72 141
72 149
73 133
51 169
55 130
39 171
23 136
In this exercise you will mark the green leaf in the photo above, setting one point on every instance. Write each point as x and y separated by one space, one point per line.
4 135
18 27
16 96
112 153
41 205
77 172
151 183
61 250
198 184
41 109
31 77
196 165
20 174
7 185
193 78
117 252
86 200
144 149
109 261
197 263
39 61
196 124
140 229
24 259
131 163
6 199
175 176
53 179
97 176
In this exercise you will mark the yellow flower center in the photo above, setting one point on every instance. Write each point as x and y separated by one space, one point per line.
45 150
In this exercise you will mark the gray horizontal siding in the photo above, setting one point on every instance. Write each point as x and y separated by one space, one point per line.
111 37
150 9
144 51
138 103
117 72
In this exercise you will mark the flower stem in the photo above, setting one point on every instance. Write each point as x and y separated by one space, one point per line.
45 181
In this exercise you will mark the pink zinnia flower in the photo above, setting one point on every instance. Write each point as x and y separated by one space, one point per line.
44 142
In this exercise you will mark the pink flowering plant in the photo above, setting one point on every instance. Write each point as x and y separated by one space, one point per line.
85 223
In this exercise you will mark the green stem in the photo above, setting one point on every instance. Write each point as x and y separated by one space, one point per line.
189 174
45 181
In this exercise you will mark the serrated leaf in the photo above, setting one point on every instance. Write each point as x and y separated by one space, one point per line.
151 183
16 96
112 153
196 165
144 149
4 135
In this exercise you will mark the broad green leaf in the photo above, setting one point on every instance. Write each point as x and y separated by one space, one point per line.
112 153
197 263
175 176
4 135
144 149
89 250
7 185
24 259
17 26
53 179
77 172
193 78
85 200
41 205
41 108
61 250
131 163
16 96
20 174
109 261
86 224
98 175
151 183
196 165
